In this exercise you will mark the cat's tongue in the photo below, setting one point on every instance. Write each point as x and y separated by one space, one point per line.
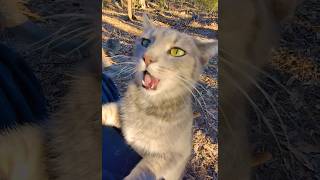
150 82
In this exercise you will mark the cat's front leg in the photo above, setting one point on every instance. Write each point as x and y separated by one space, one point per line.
170 167
110 115
141 172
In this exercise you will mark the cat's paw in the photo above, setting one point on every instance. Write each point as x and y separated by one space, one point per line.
110 115
140 174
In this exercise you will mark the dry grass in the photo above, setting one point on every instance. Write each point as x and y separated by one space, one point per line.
300 67
294 93
205 157
121 25
209 81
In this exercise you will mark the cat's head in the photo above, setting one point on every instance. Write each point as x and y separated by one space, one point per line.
170 62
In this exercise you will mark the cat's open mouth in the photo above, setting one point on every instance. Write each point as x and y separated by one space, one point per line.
149 82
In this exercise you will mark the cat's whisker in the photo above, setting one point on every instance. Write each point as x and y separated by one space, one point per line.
198 101
202 87
190 83
223 54
124 69
121 56
123 59
124 63
267 97
83 33
187 86
190 90
164 69
258 111
226 56
67 15
134 71
56 35
61 29
81 45
55 39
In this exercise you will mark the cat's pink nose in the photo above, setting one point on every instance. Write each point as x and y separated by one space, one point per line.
147 60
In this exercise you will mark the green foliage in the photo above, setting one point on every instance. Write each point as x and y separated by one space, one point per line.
202 5
163 4
105 3
208 5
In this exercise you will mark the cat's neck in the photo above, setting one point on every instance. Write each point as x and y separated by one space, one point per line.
162 107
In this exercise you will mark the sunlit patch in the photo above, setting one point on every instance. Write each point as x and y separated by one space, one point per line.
302 68
208 80
205 157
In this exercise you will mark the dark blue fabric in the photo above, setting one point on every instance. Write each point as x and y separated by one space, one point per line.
118 158
110 92
21 97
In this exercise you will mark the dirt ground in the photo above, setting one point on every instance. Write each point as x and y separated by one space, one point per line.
293 88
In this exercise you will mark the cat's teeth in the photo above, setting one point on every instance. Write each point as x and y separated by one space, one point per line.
152 87
143 83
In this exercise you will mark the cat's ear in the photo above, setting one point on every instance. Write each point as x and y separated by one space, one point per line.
208 49
147 24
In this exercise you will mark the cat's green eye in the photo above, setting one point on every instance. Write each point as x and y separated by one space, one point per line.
145 42
177 52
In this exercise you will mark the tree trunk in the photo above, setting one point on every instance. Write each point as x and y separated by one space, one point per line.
130 14
143 4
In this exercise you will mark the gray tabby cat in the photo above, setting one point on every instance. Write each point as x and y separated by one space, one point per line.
156 111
